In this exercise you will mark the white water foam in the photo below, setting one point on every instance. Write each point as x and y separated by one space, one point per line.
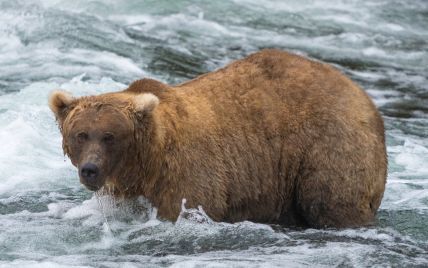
48 219
32 156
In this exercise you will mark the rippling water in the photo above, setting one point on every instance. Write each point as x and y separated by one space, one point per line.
48 219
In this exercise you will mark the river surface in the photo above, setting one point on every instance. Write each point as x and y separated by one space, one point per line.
47 219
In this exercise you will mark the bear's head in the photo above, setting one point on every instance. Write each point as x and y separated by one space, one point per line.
104 135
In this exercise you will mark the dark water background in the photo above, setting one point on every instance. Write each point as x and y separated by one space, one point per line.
47 219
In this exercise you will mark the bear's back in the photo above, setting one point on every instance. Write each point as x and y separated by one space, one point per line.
274 137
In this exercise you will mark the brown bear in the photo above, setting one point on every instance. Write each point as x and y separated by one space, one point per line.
272 138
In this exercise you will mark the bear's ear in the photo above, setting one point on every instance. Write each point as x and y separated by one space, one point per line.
59 101
145 102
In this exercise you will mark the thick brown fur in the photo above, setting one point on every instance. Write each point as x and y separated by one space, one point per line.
272 138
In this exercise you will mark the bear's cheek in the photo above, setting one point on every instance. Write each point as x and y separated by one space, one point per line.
116 163
114 160
72 152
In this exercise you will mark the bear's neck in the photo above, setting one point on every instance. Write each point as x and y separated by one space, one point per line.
155 157
141 171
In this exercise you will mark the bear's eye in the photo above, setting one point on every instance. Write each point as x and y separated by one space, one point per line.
82 137
108 138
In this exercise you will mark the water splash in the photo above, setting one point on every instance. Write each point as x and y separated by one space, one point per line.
46 45
100 196
118 210
192 214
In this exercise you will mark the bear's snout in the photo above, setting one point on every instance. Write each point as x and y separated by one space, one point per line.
89 176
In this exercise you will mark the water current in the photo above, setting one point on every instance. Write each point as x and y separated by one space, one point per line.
47 219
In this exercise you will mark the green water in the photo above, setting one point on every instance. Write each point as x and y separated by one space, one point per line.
47 219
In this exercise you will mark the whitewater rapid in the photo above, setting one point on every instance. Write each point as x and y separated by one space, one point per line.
47 219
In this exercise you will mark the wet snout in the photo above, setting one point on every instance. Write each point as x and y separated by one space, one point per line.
90 174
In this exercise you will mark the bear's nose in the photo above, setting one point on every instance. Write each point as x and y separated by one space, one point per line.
89 172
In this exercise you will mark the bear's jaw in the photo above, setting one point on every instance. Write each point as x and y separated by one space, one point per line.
109 188
121 187
93 188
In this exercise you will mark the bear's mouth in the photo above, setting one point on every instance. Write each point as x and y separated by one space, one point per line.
93 188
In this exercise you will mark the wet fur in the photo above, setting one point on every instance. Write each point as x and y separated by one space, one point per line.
271 138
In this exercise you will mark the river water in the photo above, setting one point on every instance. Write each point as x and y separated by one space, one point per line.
47 219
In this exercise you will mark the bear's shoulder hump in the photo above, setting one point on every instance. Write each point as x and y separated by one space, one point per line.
147 85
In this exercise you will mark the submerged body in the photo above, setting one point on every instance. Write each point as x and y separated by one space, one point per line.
272 138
